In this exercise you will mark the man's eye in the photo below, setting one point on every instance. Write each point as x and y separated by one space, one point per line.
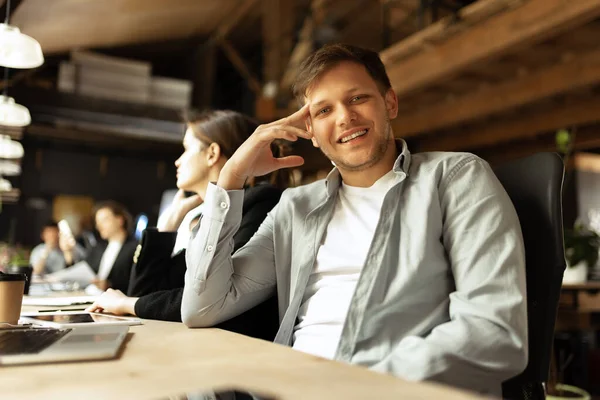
323 111
356 98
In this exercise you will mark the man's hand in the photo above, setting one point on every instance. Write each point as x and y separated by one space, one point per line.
115 302
171 219
254 157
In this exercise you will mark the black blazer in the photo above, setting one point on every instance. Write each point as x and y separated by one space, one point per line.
121 271
158 278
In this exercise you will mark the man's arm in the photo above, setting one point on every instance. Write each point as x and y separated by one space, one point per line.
219 286
485 342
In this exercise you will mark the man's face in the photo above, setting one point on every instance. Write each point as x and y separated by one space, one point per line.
50 236
350 118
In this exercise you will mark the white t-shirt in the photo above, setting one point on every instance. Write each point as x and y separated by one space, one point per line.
108 258
339 261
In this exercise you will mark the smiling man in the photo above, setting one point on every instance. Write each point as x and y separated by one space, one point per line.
409 264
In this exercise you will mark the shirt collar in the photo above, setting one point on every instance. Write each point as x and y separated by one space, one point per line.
401 168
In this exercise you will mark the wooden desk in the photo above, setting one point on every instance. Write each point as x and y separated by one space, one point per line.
162 359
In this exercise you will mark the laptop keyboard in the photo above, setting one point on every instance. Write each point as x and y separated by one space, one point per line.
28 341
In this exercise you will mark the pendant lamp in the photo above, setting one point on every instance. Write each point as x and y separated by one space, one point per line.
18 50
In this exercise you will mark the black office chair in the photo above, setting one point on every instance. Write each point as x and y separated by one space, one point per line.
534 185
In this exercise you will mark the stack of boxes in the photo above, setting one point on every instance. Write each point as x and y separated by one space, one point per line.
119 79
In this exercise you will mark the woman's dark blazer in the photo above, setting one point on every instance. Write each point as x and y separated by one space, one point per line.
157 277
121 271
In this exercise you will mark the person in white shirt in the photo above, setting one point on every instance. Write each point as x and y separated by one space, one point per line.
47 257
111 258
407 264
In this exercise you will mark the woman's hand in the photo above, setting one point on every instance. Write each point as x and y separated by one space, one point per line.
115 302
172 217
254 156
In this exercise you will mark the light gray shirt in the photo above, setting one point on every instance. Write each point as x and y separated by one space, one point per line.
441 295
55 260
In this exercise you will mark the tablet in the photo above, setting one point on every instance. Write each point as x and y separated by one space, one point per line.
67 319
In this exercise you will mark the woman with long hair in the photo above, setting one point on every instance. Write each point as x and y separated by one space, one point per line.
157 278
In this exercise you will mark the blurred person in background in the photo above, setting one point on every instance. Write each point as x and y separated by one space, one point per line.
47 257
111 258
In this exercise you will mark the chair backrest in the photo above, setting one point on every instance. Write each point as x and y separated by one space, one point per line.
534 185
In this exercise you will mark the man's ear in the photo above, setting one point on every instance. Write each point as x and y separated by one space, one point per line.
213 153
391 103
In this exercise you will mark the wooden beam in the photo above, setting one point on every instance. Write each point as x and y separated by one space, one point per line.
226 26
202 71
302 49
277 27
240 65
528 125
577 72
530 23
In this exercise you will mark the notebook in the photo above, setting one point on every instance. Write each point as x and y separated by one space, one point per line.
45 345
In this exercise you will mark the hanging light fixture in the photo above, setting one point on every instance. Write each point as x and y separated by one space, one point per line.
11 113
9 168
10 149
18 50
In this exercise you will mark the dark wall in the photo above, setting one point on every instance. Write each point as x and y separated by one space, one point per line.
51 169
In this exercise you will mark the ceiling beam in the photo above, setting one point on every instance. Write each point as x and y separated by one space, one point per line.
277 35
527 125
573 73
532 22
238 62
229 23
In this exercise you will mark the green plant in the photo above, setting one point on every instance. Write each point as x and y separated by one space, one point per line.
19 258
581 244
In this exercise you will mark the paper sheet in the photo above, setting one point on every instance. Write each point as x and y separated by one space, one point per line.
80 272
58 301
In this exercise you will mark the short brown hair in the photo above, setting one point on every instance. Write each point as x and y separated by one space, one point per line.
331 55
118 210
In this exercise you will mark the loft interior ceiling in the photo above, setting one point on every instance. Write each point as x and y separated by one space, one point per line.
63 25
501 74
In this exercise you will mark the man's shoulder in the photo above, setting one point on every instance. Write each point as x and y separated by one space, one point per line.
38 247
306 192
443 162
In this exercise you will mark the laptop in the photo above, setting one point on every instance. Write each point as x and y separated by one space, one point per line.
44 345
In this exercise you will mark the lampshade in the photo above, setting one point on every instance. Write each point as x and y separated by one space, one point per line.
18 50
9 168
13 114
5 186
9 148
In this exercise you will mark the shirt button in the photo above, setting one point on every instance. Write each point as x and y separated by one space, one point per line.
223 204
210 247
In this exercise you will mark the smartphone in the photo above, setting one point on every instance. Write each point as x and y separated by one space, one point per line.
64 228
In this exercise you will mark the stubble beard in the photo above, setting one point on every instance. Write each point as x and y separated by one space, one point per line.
378 152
